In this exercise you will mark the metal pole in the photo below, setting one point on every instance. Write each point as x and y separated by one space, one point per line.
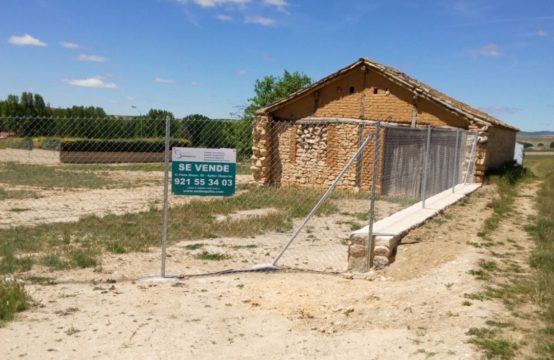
471 156
166 193
456 165
322 199
373 187
360 158
425 167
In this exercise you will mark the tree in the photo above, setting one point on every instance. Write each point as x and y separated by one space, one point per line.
196 127
552 145
272 88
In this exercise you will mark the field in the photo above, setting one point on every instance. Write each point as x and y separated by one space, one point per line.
81 237
538 143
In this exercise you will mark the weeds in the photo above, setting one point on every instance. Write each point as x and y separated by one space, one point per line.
205 255
139 231
511 284
194 246
13 264
51 177
54 262
13 298
17 194
492 344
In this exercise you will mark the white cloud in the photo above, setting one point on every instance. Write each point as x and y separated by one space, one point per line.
541 33
223 17
93 58
260 20
214 3
195 84
281 5
25 40
93 82
490 50
242 72
164 81
69 45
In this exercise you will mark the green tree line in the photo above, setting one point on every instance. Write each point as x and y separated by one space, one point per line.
29 115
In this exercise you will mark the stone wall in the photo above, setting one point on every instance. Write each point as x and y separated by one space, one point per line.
312 153
261 140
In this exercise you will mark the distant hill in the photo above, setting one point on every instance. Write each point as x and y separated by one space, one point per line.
535 133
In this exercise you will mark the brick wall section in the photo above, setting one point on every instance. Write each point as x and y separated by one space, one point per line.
374 97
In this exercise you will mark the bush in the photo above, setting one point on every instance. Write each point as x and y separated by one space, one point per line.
552 145
19 143
13 298
119 145
49 143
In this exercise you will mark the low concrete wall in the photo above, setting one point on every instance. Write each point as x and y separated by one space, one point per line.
396 227
110 157
35 156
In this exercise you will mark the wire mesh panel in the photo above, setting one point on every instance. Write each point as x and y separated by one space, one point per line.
75 189
89 193
403 162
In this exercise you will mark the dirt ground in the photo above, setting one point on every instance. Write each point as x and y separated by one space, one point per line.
63 205
412 309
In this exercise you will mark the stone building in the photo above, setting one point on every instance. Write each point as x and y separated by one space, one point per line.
306 138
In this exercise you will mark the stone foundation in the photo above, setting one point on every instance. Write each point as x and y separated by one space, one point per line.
383 252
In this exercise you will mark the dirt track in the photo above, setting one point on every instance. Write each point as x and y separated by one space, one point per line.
413 309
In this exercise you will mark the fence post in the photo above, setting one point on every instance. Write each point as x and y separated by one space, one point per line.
426 167
166 193
360 157
472 156
376 146
456 165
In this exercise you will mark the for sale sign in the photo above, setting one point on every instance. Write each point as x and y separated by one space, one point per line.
203 172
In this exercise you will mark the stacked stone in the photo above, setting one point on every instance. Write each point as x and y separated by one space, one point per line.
307 154
260 150
383 252
310 165
481 151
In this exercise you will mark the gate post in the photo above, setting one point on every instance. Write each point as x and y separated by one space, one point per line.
426 166
456 160
370 244
166 193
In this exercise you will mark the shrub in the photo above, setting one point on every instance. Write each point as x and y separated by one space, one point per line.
20 143
51 144
13 298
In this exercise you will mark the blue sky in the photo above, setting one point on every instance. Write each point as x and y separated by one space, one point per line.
203 56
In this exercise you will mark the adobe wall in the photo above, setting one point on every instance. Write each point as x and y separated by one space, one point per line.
368 95
500 147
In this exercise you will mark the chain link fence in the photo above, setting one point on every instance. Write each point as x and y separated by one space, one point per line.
90 195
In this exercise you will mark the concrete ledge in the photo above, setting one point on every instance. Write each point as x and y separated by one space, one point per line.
397 225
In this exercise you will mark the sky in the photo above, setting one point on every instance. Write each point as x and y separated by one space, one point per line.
204 56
